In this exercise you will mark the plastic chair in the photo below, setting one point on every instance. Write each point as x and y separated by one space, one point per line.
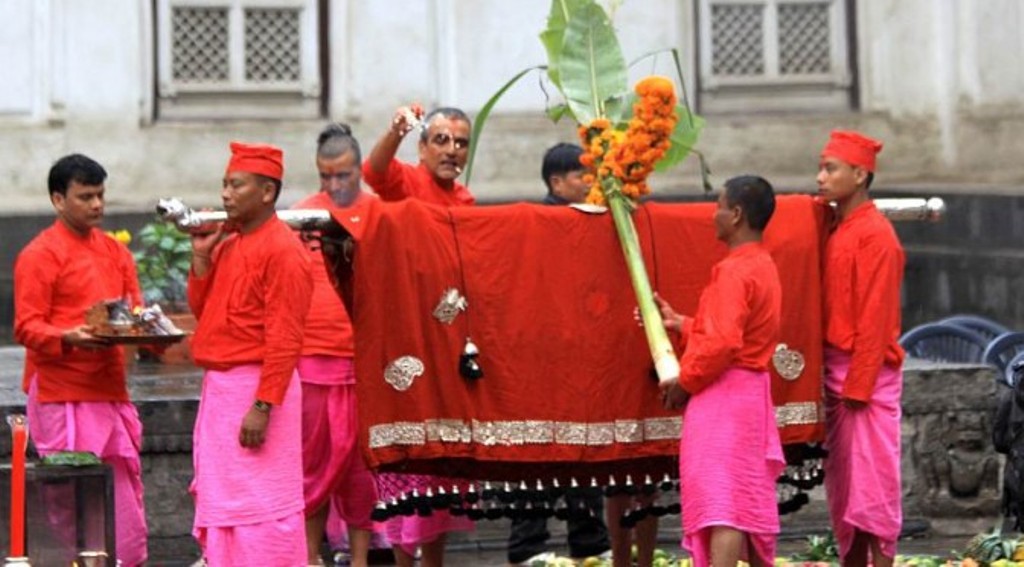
941 342
1001 350
982 325
1014 370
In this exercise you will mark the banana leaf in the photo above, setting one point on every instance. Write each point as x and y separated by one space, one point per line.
485 112
71 459
553 36
683 137
591 67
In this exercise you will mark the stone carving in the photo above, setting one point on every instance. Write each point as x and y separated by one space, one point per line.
956 468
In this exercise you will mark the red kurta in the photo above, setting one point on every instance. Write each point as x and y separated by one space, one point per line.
403 180
863 274
737 320
57 278
328 327
252 305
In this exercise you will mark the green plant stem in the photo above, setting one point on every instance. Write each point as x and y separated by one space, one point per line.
665 362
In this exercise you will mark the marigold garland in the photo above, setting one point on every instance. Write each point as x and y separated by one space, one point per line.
622 160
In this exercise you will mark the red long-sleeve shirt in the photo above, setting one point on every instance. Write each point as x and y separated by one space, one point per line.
57 278
863 274
402 180
328 327
251 306
737 320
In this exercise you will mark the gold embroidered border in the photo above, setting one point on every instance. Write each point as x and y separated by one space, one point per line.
798 413
533 432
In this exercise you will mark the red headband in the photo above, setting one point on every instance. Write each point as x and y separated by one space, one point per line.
257 158
853 148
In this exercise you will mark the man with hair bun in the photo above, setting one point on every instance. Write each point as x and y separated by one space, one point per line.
335 474
863 359
250 287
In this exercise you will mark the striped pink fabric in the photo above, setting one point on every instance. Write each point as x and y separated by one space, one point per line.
862 472
409 532
113 432
730 458
241 489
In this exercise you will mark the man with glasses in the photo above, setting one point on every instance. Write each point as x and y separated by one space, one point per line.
443 150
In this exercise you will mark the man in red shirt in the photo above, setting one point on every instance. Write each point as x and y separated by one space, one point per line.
863 381
77 399
730 453
250 291
443 150
335 474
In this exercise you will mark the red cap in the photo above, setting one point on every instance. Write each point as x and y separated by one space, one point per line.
257 158
852 147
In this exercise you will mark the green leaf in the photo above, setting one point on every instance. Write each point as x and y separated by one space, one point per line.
684 138
591 67
619 110
553 36
485 112
557 112
71 459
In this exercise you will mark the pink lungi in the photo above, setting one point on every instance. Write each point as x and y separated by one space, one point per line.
862 471
409 532
333 467
249 505
113 432
729 459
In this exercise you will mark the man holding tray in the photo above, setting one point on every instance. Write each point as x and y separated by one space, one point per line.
250 288
75 380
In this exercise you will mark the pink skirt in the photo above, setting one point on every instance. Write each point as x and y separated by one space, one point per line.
236 485
729 459
113 432
333 467
862 471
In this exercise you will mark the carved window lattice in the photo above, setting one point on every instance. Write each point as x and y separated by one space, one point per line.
804 39
272 47
737 39
199 45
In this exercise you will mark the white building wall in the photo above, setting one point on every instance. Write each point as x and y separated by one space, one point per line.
940 81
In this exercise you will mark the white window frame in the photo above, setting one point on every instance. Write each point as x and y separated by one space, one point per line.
832 88
174 96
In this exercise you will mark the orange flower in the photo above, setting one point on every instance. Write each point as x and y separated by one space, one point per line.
629 156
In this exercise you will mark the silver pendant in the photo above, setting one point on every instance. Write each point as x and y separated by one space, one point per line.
402 371
448 308
788 363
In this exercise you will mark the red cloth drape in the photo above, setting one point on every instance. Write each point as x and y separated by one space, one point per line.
567 372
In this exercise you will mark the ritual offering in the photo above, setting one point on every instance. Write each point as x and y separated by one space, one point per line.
117 321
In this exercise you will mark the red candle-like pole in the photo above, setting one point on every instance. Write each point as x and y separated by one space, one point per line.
19 433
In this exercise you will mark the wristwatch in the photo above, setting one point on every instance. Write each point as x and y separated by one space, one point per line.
261 406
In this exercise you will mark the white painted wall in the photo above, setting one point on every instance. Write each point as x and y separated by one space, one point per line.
941 81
